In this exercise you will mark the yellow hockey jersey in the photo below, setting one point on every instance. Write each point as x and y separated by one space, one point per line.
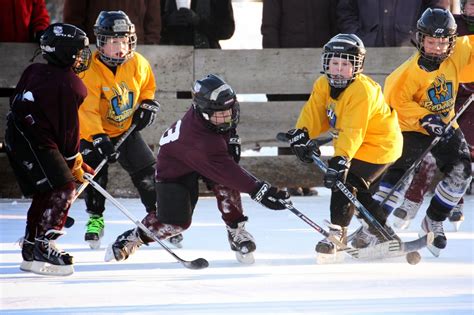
113 98
415 93
367 128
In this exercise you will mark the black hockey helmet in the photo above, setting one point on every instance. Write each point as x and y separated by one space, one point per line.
436 23
469 18
63 44
212 94
114 24
346 46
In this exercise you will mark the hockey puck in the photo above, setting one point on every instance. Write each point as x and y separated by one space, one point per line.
413 258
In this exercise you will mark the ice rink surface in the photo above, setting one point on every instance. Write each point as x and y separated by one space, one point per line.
285 278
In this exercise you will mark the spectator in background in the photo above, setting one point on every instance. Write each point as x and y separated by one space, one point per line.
383 23
198 23
298 23
23 20
145 14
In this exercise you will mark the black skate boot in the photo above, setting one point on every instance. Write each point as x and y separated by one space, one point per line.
27 254
241 242
326 251
440 240
125 245
176 240
48 259
94 231
456 217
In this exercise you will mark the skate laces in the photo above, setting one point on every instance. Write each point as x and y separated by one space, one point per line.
239 234
50 246
95 224
436 227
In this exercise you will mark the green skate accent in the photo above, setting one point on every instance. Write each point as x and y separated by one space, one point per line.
95 225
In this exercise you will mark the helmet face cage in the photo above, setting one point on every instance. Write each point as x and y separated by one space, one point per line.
436 23
420 45
83 60
115 28
336 80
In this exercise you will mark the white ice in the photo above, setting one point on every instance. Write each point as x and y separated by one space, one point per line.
284 280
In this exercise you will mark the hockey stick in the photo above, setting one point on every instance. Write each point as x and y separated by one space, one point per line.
83 186
427 150
70 220
199 263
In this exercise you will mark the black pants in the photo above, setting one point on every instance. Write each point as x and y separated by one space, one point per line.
136 158
362 175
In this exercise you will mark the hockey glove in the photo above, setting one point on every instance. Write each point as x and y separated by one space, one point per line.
183 17
338 167
104 146
145 114
300 144
436 127
79 168
234 147
270 197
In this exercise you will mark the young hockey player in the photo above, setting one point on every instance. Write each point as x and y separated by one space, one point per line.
368 138
193 147
42 143
422 179
423 91
121 91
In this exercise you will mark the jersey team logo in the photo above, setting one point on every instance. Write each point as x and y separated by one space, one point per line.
330 112
121 103
440 94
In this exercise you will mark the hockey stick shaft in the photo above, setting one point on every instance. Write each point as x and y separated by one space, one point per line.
122 139
363 210
196 264
435 141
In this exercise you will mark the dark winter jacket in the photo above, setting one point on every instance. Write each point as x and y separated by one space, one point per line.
381 23
298 23
22 20
214 18
145 14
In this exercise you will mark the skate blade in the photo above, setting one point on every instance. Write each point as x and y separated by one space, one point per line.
26 265
456 225
433 249
325 259
246 259
400 224
109 254
94 244
43 268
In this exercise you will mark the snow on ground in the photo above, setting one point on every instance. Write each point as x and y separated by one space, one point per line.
284 280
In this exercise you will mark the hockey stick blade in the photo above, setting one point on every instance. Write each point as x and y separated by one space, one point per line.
199 263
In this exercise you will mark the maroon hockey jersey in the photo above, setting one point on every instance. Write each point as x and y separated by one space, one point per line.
190 146
45 103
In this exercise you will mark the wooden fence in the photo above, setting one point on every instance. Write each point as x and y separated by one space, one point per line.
286 76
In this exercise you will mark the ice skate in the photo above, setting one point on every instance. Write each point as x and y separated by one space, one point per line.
125 245
403 215
27 249
48 259
176 240
241 242
436 227
326 251
456 217
95 231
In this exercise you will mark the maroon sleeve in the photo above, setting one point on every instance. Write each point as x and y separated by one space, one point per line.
220 167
